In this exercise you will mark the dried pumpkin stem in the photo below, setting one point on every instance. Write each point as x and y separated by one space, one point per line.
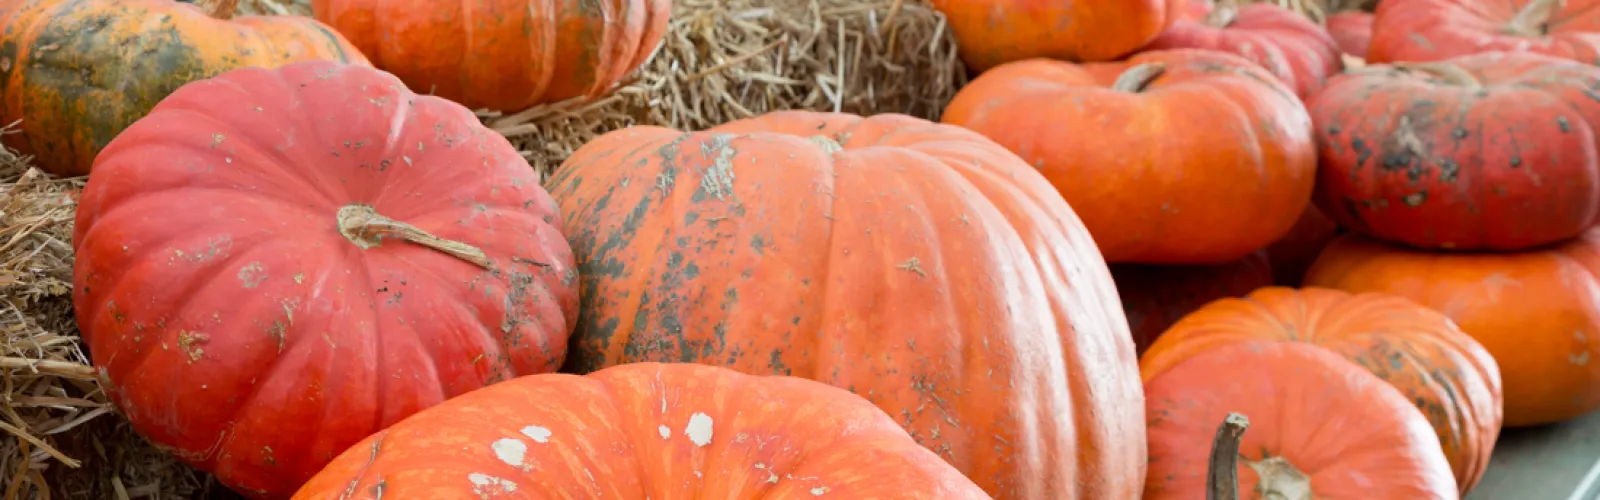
218 9
1222 470
828 145
1223 13
1135 79
1534 18
366 228
1449 73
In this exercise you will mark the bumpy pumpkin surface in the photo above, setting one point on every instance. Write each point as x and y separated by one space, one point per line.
78 72
1352 30
1189 157
503 54
1537 312
1493 151
1436 30
1320 427
1288 44
1155 297
645 430
995 32
916 264
1445 373
273 265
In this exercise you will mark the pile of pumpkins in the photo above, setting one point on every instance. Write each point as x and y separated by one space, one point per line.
304 266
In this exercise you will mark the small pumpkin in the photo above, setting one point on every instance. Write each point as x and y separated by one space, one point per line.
503 54
1352 30
78 72
1436 30
1293 254
644 430
1320 427
1492 151
995 32
1537 312
917 264
1155 297
1449 376
274 264
1287 44
1153 184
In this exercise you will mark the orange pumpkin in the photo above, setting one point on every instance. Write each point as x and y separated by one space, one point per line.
1155 297
917 264
1436 30
1154 182
1352 29
1320 427
1537 312
78 72
1447 374
503 54
1293 48
994 32
644 430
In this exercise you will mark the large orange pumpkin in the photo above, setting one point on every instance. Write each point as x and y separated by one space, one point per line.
1537 312
995 32
1155 297
1436 30
1447 374
503 54
917 264
274 264
644 430
1189 157
78 72
1288 44
1320 427
1352 30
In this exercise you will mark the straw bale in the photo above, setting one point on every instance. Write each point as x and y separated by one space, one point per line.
1319 10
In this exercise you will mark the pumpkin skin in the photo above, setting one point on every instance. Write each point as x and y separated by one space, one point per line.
568 49
1352 30
644 430
78 72
220 297
995 32
1537 312
1293 254
1287 44
1493 151
1445 373
1132 163
1155 297
1320 427
1436 30
794 242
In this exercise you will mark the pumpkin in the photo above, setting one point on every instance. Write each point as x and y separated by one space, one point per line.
1537 312
1352 30
274 264
916 264
1293 254
1287 44
1493 151
644 430
1320 427
1436 30
995 32
1153 184
1155 297
78 72
464 50
1445 373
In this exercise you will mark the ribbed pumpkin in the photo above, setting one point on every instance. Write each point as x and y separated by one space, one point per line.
1123 144
644 430
1352 30
503 54
1447 374
78 72
1155 297
1492 151
1287 44
916 264
995 32
1537 312
1436 30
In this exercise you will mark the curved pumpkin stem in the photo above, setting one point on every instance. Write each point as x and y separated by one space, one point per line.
1449 73
1135 79
1222 470
1534 18
1222 14
218 9
366 228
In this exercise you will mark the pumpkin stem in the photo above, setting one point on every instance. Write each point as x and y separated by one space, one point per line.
1449 73
828 145
1223 13
1534 18
1222 470
1135 79
1279 479
366 228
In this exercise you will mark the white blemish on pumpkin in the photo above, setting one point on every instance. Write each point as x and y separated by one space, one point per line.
718 178
484 484
252 274
665 432
1579 359
699 429
217 138
818 491
536 433
510 451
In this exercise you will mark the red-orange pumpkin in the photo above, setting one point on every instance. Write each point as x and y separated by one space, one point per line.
1436 30
273 265
1352 30
1287 44
994 32
1155 297
917 264
644 430
1293 254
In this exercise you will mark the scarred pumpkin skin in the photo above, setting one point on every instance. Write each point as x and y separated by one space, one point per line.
917 264
1154 184
1287 44
1449 376
236 324
1320 427
995 32
78 72
645 430
1293 254
1352 30
1537 312
503 54
1436 30
1155 297
1494 151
